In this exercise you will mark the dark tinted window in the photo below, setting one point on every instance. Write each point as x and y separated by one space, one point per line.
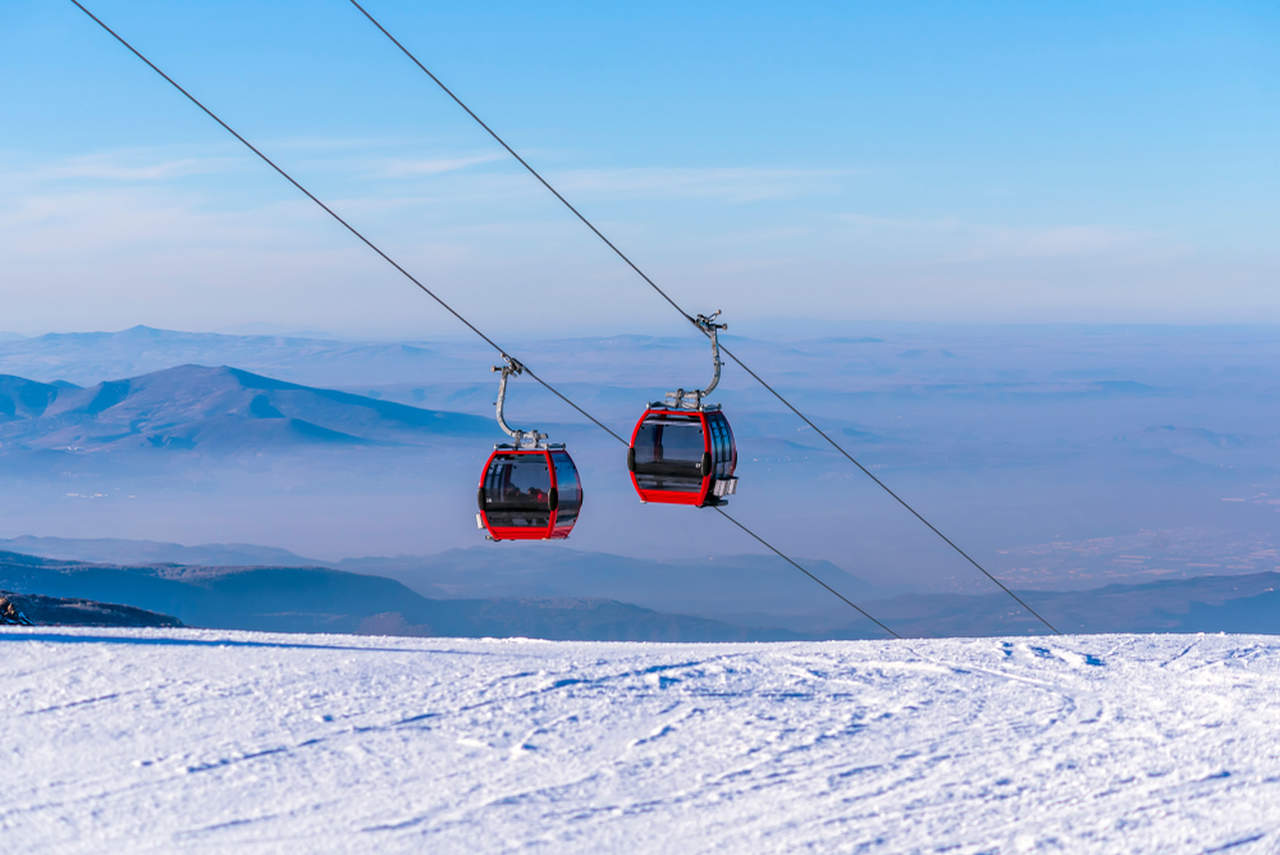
722 443
669 453
568 487
516 490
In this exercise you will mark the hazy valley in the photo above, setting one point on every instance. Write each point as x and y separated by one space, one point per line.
1068 458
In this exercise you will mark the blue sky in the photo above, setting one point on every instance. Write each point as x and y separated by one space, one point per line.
945 161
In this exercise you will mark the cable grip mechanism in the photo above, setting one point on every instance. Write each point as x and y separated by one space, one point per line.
523 438
693 399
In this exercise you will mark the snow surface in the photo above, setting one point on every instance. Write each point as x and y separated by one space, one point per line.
162 740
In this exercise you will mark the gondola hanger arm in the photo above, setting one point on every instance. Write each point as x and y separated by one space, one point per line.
709 326
529 438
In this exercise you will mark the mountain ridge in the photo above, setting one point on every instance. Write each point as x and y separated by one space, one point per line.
39 610
300 599
319 599
214 408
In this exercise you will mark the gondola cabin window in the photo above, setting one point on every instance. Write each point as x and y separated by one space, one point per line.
669 450
518 490
569 489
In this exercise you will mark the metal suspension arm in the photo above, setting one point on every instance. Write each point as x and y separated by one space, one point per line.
708 325
712 329
512 366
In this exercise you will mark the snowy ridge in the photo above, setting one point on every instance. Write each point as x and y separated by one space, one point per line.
155 740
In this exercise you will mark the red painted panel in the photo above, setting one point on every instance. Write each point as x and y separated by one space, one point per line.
542 532
674 497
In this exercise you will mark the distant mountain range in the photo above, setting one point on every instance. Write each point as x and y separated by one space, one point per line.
214 409
751 590
1034 447
557 595
314 599
114 550
1240 604
742 589
85 357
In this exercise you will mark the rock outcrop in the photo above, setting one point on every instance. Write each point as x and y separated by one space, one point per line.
10 615
34 609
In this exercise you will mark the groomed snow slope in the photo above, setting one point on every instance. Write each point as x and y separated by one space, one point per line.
156 740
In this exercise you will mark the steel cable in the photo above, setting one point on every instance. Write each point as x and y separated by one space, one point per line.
502 351
690 318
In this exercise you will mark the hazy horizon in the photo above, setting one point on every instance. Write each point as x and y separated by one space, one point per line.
1065 456
788 329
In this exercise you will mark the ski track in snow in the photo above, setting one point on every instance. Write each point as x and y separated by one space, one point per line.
163 740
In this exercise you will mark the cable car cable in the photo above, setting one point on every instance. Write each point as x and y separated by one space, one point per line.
883 486
781 555
434 296
501 350
691 319
554 192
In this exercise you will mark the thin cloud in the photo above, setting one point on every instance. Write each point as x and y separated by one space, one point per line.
125 166
954 240
362 144
409 167
733 184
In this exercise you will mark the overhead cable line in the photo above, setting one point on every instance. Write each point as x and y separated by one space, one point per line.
502 351
785 558
269 162
691 318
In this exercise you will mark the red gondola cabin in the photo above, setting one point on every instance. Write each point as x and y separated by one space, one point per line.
683 457
529 493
